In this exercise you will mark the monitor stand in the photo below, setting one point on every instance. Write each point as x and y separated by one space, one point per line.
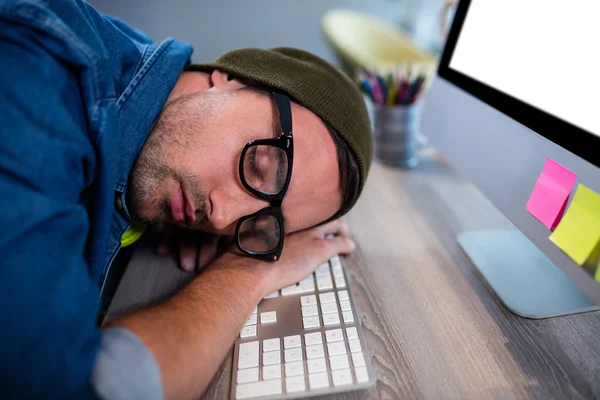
526 281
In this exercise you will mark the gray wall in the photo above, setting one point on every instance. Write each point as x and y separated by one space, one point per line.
214 27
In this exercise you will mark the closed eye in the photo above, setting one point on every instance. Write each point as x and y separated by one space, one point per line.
253 167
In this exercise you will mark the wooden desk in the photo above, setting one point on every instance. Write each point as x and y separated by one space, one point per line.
434 329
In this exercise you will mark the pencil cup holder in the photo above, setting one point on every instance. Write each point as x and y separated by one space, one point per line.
395 135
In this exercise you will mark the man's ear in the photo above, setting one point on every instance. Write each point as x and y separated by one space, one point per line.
222 81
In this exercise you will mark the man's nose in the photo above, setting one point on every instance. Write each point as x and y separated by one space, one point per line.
230 205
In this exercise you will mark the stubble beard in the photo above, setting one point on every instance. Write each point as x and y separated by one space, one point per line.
150 170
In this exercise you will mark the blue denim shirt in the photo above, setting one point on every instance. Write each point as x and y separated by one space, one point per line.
78 94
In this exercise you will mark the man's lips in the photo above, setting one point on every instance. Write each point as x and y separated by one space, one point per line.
178 204
183 211
190 213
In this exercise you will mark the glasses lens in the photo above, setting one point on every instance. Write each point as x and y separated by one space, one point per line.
265 168
260 234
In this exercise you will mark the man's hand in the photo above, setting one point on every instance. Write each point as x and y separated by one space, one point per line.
193 250
302 253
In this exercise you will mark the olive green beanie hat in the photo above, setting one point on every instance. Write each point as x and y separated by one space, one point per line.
311 82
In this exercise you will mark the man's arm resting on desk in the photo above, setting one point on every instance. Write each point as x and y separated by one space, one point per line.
191 333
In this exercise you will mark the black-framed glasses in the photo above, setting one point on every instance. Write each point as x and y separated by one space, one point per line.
265 170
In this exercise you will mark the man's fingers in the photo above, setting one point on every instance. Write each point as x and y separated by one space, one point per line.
337 245
208 250
335 227
165 241
344 229
343 245
187 249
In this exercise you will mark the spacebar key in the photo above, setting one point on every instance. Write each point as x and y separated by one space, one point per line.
258 389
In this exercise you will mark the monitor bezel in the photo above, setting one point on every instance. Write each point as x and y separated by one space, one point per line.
580 142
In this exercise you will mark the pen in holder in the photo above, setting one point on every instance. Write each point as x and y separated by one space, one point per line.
395 108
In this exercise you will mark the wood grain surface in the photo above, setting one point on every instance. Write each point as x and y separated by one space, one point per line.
433 327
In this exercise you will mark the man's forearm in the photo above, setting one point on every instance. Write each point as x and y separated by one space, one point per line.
191 333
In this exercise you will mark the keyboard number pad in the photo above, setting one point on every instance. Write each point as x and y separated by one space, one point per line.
310 360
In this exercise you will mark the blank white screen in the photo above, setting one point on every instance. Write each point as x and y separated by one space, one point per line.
542 52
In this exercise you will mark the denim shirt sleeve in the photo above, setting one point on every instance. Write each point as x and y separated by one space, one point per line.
127 29
49 340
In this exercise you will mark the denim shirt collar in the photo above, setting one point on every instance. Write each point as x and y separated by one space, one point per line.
141 103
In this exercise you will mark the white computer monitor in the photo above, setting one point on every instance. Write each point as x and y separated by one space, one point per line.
518 82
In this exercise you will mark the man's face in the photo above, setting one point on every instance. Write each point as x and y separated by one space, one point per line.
188 171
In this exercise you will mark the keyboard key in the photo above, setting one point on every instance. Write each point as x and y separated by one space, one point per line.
327 297
351 333
251 320
335 261
345 305
312 338
310 300
338 273
247 375
331 319
340 282
341 377
291 342
358 359
255 310
293 355
315 351
328 308
361 374
272 358
268 317
308 278
310 311
334 335
318 381
258 389
271 344
354 345
294 368
343 295
339 362
289 290
271 372
348 316
295 384
248 331
324 277
336 348
316 365
324 283
271 295
311 322
306 287
322 270
248 355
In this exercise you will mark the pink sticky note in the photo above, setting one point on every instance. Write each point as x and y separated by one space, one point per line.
550 194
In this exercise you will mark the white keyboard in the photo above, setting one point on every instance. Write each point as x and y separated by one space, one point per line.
302 341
